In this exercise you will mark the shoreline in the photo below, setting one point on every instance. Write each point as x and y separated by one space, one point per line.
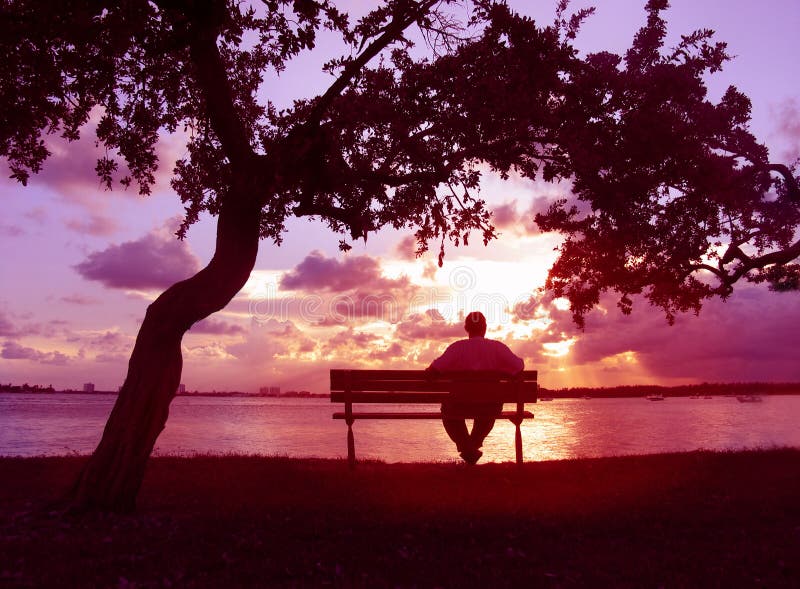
717 389
206 394
710 519
545 395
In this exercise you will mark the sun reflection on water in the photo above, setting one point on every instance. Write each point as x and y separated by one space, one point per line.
562 429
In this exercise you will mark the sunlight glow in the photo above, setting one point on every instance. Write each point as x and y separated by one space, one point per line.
559 349
261 283
622 359
561 304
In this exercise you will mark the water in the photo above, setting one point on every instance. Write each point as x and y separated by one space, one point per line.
60 424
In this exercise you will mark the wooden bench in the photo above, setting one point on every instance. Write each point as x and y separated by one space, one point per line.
353 387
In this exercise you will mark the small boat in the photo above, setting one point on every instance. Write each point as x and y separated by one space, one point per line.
587 397
748 398
545 398
655 397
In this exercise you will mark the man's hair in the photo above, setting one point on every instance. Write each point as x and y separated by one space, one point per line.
475 324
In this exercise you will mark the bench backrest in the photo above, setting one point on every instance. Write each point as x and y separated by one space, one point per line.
422 386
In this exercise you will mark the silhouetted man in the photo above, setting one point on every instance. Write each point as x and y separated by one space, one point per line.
475 353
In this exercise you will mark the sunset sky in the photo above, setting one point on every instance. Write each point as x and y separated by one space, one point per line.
80 264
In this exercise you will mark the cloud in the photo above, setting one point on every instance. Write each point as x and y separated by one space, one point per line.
96 225
508 217
326 309
11 230
78 299
70 169
37 215
787 123
406 248
217 327
116 359
752 336
339 292
316 272
21 325
527 310
207 352
347 347
382 306
428 326
154 261
349 341
7 328
110 341
505 215
272 339
14 351
394 351
430 270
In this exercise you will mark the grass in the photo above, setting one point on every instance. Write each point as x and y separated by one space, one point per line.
699 519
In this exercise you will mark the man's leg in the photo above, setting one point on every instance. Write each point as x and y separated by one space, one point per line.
480 429
456 428
484 424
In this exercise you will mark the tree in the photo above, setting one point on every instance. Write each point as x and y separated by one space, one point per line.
401 143
676 200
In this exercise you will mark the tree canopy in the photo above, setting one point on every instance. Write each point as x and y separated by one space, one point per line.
675 198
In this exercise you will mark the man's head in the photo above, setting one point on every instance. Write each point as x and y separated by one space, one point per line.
475 324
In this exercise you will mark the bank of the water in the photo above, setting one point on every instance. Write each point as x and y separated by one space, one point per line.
698 519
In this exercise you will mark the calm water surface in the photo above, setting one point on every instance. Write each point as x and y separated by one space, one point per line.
564 428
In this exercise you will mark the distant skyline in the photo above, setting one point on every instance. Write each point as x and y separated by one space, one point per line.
80 265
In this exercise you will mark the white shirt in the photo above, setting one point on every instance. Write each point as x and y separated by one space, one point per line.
478 353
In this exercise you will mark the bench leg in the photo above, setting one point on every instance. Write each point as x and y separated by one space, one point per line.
518 442
351 445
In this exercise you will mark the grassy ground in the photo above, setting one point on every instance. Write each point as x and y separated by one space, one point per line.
680 520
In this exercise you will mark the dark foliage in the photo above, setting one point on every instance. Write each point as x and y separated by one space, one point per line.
676 199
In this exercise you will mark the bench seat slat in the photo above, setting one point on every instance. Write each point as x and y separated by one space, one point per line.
421 415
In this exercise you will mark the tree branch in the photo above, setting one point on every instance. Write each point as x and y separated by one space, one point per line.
791 181
779 257
391 33
356 221
210 73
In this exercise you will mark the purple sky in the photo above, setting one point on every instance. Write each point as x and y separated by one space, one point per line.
80 265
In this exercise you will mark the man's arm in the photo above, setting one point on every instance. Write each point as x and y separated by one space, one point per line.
509 361
445 361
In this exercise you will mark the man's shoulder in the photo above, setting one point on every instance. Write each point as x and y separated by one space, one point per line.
496 344
503 348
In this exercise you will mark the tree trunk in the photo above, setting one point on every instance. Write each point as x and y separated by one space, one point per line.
111 479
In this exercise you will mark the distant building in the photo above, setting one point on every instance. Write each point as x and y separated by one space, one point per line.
181 388
270 391
88 387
